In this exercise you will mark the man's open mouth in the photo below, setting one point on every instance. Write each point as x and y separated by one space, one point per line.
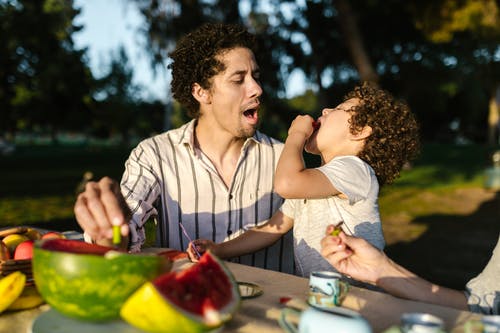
250 113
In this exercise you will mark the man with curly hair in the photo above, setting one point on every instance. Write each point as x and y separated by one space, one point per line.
364 143
210 178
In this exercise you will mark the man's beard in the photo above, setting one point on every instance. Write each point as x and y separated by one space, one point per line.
245 133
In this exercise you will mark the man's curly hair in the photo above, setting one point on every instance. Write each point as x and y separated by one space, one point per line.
394 140
194 59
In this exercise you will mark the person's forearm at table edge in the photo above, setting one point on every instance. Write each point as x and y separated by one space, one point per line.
400 282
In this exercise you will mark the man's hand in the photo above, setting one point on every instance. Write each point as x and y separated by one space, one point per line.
100 207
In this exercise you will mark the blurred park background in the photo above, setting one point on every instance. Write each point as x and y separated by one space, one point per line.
60 120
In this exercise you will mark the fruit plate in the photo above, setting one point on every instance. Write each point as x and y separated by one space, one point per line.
52 321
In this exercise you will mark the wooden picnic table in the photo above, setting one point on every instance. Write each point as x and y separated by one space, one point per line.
259 314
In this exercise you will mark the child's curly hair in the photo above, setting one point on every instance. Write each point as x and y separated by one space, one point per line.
394 140
195 59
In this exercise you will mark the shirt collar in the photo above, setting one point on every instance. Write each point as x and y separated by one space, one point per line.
187 135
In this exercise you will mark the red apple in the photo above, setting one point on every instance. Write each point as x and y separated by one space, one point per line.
4 251
24 250
12 241
52 234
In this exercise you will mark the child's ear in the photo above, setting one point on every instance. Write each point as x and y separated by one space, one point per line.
364 133
200 94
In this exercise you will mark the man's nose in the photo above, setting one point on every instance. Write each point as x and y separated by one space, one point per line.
255 88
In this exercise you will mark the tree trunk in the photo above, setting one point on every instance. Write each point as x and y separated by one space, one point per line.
494 117
355 43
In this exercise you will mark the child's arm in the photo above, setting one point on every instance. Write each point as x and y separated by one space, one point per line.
248 242
292 179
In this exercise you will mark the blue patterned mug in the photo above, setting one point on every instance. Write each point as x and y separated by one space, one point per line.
326 289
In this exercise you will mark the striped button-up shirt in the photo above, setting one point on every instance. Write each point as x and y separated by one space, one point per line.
167 176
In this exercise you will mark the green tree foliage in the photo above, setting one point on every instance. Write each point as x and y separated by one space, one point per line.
471 30
116 97
167 20
442 20
44 82
46 85
119 110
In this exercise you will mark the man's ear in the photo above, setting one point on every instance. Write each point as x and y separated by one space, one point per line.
200 94
363 134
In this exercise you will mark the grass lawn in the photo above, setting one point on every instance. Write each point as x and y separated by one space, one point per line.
437 218
38 183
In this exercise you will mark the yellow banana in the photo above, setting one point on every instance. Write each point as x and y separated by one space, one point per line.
11 287
28 299
12 230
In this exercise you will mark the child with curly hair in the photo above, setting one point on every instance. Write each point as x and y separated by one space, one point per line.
363 143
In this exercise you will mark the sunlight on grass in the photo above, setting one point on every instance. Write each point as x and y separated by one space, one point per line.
35 210
418 190
435 176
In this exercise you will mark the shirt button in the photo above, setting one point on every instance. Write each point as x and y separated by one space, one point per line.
229 232
230 197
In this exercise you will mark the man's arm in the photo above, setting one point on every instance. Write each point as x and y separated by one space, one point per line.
357 258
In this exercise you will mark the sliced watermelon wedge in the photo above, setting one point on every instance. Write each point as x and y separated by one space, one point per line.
197 299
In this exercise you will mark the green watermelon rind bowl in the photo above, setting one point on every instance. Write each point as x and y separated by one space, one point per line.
91 287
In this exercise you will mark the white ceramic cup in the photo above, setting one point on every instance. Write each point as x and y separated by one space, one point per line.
326 289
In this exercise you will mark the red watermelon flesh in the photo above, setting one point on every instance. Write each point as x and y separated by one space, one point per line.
174 254
199 289
76 246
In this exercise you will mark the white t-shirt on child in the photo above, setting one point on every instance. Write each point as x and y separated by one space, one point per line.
354 178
